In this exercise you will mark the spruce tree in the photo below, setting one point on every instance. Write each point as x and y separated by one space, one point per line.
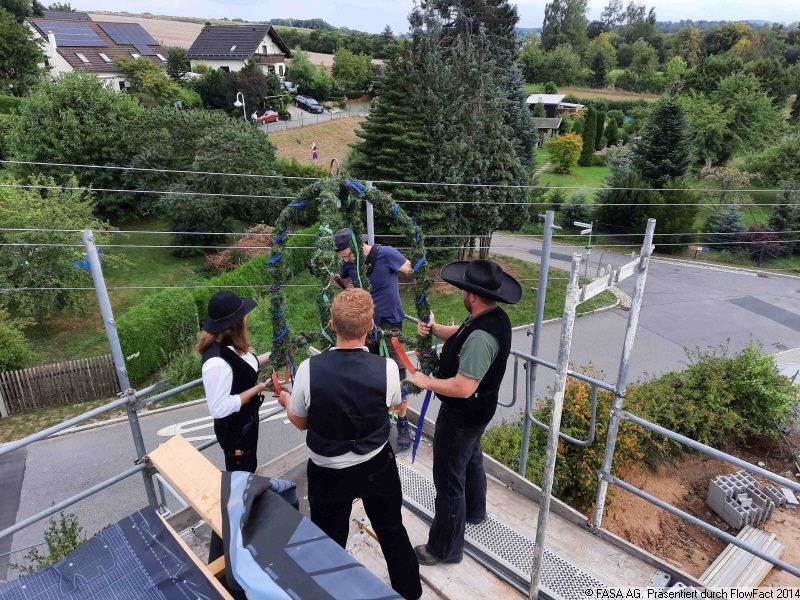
611 133
601 123
589 130
663 152
727 224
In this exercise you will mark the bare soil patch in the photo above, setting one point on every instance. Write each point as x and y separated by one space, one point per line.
685 485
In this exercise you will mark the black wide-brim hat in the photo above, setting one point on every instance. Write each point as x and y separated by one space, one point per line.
485 278
344 237
226 309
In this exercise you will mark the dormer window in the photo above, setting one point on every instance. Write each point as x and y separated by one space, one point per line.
82 57
233 48
104 56
161 57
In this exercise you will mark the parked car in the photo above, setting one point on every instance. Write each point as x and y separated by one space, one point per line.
309 104
289 87
267 116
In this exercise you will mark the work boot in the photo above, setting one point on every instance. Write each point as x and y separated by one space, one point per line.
403 434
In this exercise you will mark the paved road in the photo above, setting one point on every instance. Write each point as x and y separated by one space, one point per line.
684 307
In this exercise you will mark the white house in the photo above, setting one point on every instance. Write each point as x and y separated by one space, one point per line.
93 47
554 104
229 47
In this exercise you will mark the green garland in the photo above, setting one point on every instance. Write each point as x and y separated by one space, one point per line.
340 203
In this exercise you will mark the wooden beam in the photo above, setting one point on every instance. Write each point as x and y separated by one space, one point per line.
217 567
193 476
203 568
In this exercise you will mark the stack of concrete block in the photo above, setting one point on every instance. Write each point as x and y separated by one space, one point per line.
739 500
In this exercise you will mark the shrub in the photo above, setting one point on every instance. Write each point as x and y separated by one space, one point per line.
250 280
6 125
576 209
256 242
9 103
299 248
550 88
727 224
15 350
565 151
182 367
155 328
556 198
758 237
62 537
284 115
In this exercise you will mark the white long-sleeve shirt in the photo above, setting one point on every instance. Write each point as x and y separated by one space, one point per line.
217 381
301 400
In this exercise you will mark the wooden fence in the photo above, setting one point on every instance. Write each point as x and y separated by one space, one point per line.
68 382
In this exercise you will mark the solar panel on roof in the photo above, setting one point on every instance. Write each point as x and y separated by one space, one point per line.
71 34
128 33
144 50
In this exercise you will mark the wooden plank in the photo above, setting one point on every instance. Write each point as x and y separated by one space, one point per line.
777 551
70 393
743 559
754 563
193 476
712 568
89 378
727 555
197 562
27 378
23 399
4 389
217 567
3 407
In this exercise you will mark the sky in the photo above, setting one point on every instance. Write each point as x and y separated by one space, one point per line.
374 15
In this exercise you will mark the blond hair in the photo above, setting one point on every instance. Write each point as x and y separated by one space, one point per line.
351 313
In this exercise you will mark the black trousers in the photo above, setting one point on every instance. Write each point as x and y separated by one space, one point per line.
460 482
374 346
331 493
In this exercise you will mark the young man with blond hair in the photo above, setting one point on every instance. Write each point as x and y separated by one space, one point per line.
341 398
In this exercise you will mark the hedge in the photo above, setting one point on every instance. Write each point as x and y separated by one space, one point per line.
300 249
154 329
9 103
251 273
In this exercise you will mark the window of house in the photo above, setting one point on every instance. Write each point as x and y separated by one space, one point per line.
121 85
104 56
82 57
135 55
233 48
263 49
161 57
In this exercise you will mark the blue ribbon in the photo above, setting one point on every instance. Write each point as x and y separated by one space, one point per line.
395 208
324 229
274 258
291 367
281 237
418 235
355 186
283 333
297 205
418 264
420 423
421 299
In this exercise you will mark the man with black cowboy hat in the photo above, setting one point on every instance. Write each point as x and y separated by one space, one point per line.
471 368
383 265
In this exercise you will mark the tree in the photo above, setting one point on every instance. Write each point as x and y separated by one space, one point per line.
613 14
22 8
773 77
252 82
627 208
722 226
710 127
532 58
663 152
43 266
212 89
678 214
598 135
20 56
177 64
61 6
539 111
686 44
600 58
15 350
562 66
564 23
675 70
76 119
779 161
724 38
301 71
148 83
644 59
550 88
752 110
785 219
611 133
352 71
589 133
564 151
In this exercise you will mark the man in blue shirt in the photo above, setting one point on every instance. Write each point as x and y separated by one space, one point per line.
383 265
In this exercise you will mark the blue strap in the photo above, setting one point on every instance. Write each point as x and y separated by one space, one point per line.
274 258
297 205
418 264
291 367
283 333
420 422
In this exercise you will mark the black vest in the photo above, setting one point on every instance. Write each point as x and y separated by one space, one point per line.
479 408
238 429
347 403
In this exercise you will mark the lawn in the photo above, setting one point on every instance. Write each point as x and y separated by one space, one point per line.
333 140
586 177
82 335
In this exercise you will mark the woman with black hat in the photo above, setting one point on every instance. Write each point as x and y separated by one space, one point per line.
230 379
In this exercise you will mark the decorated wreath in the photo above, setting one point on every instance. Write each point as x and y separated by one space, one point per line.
339 202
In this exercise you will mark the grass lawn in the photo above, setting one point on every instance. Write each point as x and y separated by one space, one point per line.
333 140
82 335
589 177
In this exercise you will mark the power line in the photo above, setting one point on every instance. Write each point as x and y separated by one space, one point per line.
386 182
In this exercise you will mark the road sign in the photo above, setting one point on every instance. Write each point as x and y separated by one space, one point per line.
580 224
585 231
